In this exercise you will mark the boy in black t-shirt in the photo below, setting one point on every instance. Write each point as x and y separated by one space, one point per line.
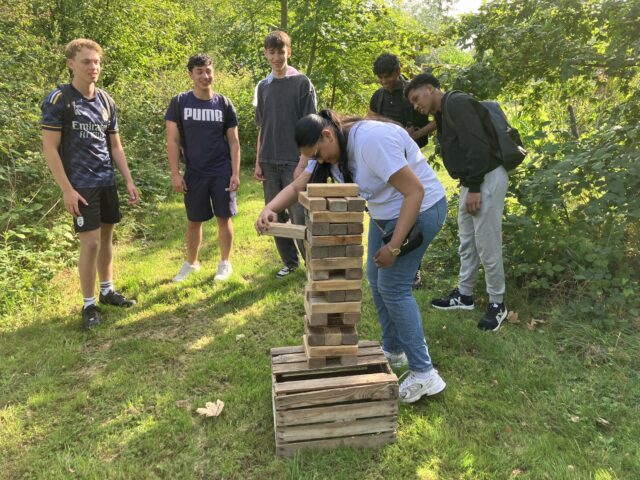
80 144
202 126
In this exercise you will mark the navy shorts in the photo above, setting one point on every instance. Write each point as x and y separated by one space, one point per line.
207 196
104 207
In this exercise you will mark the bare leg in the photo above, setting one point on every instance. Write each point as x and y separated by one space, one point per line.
194 239
105 255
225 237
87 263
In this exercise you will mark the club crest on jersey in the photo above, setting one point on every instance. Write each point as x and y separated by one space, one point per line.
77 109
105 114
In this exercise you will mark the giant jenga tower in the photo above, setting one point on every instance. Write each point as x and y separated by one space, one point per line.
332 390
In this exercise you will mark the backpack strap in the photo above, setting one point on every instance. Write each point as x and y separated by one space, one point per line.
68 105
445 108
380 100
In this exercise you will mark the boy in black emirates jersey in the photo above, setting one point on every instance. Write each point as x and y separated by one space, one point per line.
81 144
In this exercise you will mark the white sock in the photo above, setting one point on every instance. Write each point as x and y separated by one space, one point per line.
424 375
89 301
106 287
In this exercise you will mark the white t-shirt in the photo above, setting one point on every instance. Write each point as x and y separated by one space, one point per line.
376 150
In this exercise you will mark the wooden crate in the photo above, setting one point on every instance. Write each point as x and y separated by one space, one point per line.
326 407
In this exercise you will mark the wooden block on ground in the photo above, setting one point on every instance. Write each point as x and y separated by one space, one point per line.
355 204
353 273
313 204
338 228
335 404
336 217
286 230
332 189
354 251
337 204
354 228
330 240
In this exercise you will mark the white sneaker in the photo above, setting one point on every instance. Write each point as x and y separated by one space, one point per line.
224 271
284 271
418 384
185 271
396 360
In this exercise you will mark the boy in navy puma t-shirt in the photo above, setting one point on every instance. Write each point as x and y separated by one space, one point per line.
202 128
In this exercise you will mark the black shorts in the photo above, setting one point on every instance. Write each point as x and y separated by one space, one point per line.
104 207
208 196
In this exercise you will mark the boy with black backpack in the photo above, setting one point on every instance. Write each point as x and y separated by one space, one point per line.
202 129
470 153
80 144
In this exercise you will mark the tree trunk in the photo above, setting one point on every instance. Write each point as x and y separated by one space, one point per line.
284 13
314 41
573 123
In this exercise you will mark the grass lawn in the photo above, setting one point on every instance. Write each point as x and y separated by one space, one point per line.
561 401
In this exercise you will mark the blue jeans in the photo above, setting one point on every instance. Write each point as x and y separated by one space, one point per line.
391 289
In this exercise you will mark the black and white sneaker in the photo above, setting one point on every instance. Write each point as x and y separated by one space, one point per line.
284 271
116 298
496 313
91 316
454 301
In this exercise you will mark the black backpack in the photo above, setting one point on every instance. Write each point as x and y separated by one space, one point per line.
505 139
175 106
69 104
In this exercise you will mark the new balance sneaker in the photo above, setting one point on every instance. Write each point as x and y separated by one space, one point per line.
224 271
417 281
396 360
91 316
116 298
284 271
186 270
416 385
492 319
454 301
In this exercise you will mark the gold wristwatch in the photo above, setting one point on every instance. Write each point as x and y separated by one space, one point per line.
394 251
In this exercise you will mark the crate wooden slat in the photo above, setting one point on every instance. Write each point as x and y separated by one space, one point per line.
339 405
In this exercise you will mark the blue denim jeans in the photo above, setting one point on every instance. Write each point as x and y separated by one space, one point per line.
391 289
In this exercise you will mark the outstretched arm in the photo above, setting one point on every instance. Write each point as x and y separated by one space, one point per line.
287 197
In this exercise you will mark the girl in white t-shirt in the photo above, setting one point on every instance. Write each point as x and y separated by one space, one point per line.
401 191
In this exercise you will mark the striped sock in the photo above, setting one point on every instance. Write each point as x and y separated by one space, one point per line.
106 287
89 301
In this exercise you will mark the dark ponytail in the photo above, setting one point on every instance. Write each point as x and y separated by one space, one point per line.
308 132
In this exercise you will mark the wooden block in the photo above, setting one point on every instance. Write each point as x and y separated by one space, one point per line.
354 228
336 263
350 318
335 296
337 217
353 295
328 350
314 305
334 284
318 252
286 230
289 450
329 240
318 274
338 250
312 204
355 204
328 362
337 204
317 319
353 273
332 189
317 336
339 228
318 228
353 251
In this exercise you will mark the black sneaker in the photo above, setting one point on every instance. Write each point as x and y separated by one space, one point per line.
454 301
116 298
496 313
417 281
91 316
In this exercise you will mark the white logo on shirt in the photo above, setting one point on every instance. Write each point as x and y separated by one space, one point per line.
203 114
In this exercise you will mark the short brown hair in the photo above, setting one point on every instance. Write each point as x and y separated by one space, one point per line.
277 39
74 46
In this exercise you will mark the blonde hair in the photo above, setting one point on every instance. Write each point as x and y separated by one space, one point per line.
74 46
